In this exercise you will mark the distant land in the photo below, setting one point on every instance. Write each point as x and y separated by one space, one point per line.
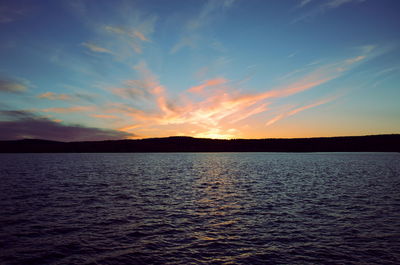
371 143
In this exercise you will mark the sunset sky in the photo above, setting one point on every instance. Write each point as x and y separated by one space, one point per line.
93 70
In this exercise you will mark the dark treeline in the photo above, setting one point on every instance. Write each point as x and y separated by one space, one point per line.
374 143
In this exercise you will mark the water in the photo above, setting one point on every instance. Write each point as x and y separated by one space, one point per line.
204 208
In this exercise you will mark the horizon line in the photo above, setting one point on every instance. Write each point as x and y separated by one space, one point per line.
201 138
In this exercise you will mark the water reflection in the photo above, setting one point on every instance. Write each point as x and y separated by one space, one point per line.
205 208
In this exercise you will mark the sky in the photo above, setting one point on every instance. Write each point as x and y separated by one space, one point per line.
75 70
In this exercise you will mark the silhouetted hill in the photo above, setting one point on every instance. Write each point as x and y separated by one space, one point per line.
373 143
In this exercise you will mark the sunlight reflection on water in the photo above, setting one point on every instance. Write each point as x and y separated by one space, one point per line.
204 208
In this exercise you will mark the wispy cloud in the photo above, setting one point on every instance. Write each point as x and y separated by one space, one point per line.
135 33
70 109
298 109
337 3
10 12
72 97
104 116
366 49
209 11
133 89
321 7
218 103
12 86
23 124
54 96
214 105
131 33
208 83
384 75
304 3
293 54
355 59
96 48
186 41
213 67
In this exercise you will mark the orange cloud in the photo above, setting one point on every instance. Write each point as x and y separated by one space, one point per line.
222 108
208 83
214 112
70 109
54 96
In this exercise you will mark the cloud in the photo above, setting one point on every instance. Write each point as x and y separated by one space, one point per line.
185 41
12 86
10 12
216 103
207 14
213 67
367 48
297 110
90 97
70 109
208 83
135 33
224 105
304 3
293 54
104 116
133 89
78 8
22 125
355 59
322 7
75 97
54 96
147 87
95 48
154 87
337 3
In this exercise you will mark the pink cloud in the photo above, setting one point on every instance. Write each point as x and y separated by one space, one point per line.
208 83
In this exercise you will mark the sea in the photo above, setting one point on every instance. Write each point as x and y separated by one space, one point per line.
200 208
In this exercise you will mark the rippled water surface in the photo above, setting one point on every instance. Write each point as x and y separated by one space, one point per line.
200 208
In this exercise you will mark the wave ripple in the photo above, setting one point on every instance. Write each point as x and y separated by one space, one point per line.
200 208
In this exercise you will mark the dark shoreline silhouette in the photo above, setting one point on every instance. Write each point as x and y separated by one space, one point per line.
371 143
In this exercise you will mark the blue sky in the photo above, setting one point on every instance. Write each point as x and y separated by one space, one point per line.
93 70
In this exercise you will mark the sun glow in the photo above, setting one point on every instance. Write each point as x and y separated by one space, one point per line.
131 71
217 134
